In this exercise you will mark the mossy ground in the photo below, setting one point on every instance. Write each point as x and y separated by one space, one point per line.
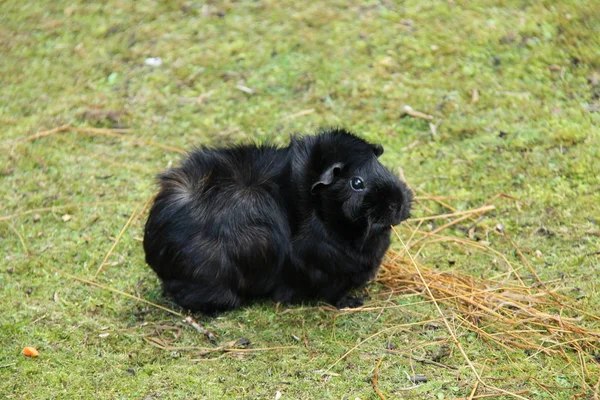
533 134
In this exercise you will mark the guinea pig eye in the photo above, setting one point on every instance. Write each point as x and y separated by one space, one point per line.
357 184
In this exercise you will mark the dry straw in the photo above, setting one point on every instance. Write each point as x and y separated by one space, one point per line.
503 312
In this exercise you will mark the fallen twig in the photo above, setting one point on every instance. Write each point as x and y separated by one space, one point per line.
374 379
245 89
408 110
201 329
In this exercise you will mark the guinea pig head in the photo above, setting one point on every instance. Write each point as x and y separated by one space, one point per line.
355 188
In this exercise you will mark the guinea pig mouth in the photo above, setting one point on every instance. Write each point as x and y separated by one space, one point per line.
394 220
396 213
387 220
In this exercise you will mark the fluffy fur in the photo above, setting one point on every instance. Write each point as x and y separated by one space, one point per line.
234 224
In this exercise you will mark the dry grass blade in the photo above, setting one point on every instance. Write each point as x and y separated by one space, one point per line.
455 214
98 285
21 239
39 135
116 242
132 217
118 133
299 114
439 229
491 395
422 360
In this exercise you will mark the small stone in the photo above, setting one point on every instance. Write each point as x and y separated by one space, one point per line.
243 342
66 217
418 378
153 61
36 217
432 325
539 254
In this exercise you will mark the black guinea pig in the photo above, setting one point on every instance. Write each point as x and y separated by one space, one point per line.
308 221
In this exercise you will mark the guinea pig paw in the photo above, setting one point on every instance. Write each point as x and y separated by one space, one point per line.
349 302
283 295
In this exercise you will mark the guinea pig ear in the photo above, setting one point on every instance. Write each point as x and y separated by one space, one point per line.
377 149
327 176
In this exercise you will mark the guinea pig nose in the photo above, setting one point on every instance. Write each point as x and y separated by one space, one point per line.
395 209
396 206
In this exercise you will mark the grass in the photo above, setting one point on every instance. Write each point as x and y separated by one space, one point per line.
533 134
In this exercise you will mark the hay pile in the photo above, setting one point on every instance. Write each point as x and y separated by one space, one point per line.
503 311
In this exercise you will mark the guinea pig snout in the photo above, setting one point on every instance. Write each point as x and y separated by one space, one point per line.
399 207
395 208
396 211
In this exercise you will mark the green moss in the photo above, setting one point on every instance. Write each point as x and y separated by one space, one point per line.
534 134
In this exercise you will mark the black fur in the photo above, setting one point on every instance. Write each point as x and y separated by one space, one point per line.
234 224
